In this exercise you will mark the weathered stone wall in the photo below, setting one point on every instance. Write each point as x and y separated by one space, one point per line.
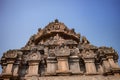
91 77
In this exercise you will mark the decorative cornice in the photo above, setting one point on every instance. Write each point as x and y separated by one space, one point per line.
11 54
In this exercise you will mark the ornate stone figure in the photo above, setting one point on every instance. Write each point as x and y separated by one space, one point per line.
84 40
57 50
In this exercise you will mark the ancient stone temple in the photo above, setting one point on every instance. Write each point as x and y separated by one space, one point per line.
59 53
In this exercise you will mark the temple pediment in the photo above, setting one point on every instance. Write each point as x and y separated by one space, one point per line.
56 51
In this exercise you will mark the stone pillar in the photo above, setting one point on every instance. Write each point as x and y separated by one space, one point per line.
10 57
33 60
114 67
15 69
112 63
33 68
62 55
51 66
17 64
9 67
90 65
105 65
74 65
63 67
99 68
7 73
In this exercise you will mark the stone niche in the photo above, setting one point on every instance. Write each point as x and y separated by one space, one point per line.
59 53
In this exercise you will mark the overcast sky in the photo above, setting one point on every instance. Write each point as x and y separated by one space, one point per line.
98 20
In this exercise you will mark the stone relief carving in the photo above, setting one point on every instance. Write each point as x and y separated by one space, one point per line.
74 52
34 56
57 48
63 50
11 54
88 54
84 40
51 52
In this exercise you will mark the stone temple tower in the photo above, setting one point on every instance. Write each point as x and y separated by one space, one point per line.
59 53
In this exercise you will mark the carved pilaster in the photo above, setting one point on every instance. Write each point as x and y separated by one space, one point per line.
33 62
16 68
62 54
99 68
115 69
17 64
74 65
112 62
9 67
10 57
33 68
106 65
51 66
63 66
90 65
89 60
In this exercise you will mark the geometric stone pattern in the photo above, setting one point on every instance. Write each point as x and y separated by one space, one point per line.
59 53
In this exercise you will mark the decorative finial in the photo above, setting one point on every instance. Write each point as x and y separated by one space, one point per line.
56 21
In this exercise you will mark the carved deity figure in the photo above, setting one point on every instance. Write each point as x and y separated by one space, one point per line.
34 55
51 52
56 37
84 40
74 51
88 54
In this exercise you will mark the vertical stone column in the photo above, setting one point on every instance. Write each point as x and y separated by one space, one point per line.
105 65
62 53
74 65
17 64
10 57
33 60
7 73
63 66
9 67
33 68
51 66
114 67
112 63
99 68
16 68
90 65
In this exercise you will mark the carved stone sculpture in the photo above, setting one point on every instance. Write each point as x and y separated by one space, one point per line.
59 53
